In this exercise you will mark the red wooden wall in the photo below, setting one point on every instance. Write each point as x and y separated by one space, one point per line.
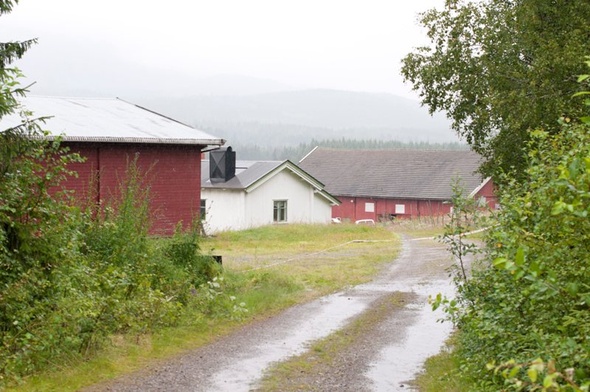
488 193
173 173
354 208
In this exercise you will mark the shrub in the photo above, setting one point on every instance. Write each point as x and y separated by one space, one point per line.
523 317
528 316
71 279
184 252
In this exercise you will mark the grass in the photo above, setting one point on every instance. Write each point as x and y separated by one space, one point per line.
268 269
420 228
320 258
442 373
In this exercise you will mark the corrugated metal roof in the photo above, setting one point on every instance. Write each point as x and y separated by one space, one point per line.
108 120
392 174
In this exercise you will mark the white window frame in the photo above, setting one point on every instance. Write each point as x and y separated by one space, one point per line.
400 208
369 207
203 210
279 211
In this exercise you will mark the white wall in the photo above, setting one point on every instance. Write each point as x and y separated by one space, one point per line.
322 210
224 210
236 210
303 205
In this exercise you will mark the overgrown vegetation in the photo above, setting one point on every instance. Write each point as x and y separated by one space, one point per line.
523 317
466 214
71 278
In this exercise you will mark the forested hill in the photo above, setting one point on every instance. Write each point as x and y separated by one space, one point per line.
278 120
297 152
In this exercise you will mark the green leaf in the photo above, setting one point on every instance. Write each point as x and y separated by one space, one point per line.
581 93
519 258
535 268
548 381
558 208
532 373
572 288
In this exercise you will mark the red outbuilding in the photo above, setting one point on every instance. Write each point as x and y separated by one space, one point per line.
385 184
110 133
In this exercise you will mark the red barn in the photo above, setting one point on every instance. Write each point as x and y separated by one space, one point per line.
109 133
387 184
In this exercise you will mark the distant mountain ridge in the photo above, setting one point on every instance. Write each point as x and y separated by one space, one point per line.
297 116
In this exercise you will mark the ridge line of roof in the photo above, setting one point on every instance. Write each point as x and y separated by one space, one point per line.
70 97
154 112
387 150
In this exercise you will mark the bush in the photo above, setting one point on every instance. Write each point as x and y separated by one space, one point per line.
524 318
184 252
70 279
38 238
533 307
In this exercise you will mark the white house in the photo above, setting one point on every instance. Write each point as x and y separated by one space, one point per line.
237 195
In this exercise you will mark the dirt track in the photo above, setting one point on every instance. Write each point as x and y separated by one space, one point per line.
384 357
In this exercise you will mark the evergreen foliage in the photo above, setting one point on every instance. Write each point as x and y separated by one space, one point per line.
10 51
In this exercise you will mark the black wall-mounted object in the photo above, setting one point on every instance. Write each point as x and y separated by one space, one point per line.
222 165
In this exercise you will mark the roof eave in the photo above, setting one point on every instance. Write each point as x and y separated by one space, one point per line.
394 197
103 139
326 195
480 187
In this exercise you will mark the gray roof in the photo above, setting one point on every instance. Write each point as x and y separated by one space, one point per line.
391 174
247 173
107 120
250 174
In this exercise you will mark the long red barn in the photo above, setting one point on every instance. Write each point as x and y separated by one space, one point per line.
388 184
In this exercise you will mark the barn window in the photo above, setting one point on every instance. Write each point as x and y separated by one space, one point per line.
280 211
400 209
369 207
482 202
203 211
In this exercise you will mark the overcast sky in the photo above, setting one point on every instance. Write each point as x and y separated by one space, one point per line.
118 47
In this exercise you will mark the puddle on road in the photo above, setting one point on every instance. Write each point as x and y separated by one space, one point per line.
325 316
420 337
424 337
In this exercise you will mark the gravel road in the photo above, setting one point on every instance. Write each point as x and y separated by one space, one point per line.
385 357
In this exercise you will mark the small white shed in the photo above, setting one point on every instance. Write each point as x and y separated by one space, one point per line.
238 195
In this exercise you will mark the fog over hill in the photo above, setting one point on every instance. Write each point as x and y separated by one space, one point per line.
263 116
288 118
